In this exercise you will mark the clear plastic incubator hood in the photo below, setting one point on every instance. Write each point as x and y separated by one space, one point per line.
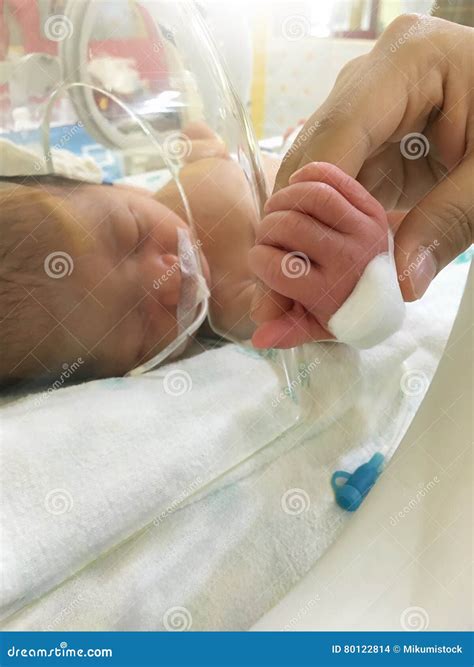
136 93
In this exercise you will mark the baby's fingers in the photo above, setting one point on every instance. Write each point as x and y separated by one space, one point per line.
352 190
267 304
288 273
320 201
292 230
290 330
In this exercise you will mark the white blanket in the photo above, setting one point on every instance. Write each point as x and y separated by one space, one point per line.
169 502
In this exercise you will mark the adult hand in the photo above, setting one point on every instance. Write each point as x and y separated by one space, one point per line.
401 120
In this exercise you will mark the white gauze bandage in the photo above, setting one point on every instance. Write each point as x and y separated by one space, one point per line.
375 308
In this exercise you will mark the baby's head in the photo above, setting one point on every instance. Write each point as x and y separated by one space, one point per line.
79 267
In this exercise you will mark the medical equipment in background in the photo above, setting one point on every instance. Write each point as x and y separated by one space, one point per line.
121 83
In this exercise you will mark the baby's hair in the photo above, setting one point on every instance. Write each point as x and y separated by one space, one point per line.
34 223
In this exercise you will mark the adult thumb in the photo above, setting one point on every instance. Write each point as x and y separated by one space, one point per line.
435 231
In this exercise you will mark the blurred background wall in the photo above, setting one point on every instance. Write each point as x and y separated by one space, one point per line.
299 46
283 55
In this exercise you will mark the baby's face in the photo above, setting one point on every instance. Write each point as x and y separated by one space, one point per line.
118 306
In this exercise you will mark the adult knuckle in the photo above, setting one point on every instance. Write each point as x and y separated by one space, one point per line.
405 31
404 22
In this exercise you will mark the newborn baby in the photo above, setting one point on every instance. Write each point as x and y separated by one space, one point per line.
80 265
116 242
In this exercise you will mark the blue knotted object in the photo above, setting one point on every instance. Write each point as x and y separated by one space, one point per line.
358 484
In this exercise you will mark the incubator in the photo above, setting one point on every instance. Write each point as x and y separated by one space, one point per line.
107 92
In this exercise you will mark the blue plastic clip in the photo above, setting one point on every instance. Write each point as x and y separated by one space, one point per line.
358 484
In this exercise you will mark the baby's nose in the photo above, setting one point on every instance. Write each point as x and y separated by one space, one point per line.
167 280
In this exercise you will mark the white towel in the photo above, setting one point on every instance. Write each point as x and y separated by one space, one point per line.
16 160
136 540
83 468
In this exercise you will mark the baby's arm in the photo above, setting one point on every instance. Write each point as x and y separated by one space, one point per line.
318 236
224 216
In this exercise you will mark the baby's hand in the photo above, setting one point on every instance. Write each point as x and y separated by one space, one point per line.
318 235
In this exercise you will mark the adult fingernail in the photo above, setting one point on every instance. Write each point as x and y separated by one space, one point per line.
424 270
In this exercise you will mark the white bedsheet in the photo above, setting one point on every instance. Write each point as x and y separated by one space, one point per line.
112 517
